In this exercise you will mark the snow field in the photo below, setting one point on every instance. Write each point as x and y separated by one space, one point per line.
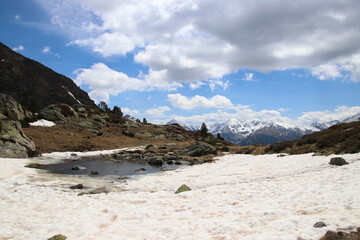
237 197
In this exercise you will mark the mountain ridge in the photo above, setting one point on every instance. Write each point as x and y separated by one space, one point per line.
248 132
34 85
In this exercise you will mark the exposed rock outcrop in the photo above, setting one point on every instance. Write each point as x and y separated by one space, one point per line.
57 112
199 149
13 142
11 109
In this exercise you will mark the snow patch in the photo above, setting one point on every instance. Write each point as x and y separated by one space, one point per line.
42 123
72 95
237 197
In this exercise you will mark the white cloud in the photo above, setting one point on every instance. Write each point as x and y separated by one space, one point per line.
17 17
340 113
196 85
179 101
104 81
130 112
249 76
184 43
157 112
18 48
47 50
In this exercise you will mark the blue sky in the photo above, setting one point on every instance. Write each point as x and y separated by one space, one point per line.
196 61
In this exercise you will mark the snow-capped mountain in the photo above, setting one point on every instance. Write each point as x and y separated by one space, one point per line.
316 126
187 126
354 118
247 132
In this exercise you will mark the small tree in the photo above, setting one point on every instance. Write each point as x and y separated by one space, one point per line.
117 111
104 107
218 136
203 130
145 121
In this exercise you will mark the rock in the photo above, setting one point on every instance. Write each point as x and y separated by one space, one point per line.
77 186
182 188
160 136
170 162
331 235
182 162
321 152
156 161
57 237
282 155
13 142
57 112
225 149
150 147
11 109
163 147
95 191
338 161
128 133
94 173
36 165
141 170
78 167
170 144
319 225
179 137
199 149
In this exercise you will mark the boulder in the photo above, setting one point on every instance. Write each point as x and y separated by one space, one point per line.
156 161
338 161
331 235
199 149
57 112
10 108
13 142
182 188
319 225
95 191
57 237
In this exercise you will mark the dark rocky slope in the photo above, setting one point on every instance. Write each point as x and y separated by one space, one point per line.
34 85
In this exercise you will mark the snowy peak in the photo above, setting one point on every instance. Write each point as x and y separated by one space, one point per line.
184 125
322 126
354 118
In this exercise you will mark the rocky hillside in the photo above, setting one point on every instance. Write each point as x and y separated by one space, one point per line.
34 85
340 138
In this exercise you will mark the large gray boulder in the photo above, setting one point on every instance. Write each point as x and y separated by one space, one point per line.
199 149
57 112
13 142
11 109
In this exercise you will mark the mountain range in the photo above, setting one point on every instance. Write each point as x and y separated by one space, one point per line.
248 132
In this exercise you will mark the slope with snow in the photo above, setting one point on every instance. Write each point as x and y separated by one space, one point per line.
354 118
237 197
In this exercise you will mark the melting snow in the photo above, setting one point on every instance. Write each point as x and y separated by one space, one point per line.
237 197
43 123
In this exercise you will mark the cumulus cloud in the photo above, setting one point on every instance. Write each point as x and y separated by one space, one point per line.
18 48
127 111
179 101
104 81
339 113
157 112
197 40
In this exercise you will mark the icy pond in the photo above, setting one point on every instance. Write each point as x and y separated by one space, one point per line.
97 166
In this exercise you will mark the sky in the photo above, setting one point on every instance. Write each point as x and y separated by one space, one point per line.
293 62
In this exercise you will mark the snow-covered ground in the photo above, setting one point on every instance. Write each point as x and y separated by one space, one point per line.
238 197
